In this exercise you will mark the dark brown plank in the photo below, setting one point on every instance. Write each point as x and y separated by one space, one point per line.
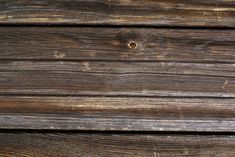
113 113
112 145
210 13
122 106
141 79
70 43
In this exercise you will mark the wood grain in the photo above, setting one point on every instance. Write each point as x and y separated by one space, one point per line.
117 113
74 73
210 13
121 106
122 67
142 79
112 145
71 43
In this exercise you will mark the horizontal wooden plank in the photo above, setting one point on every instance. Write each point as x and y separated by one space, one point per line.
122 67
117 113
121 106
210 13
112 145
71 43
83 122
112 79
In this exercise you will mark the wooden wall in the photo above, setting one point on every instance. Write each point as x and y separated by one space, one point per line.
117 78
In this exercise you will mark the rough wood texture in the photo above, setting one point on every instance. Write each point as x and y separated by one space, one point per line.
70 43
121 68
111 113
120 12
115 62
122 106
141 79
84 122
113 145
103 65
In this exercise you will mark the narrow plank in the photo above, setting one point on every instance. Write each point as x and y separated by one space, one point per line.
83 122
122 67
71 43
121 106
141 79
117 113
210 13
112 145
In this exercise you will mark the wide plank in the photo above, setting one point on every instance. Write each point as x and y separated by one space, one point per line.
111 79
210 13
117 113
112 145
122 44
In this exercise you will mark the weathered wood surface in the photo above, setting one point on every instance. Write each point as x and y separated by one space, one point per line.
112 145
115 79
105 65
117 113
122 67
121 106
147 114
104 123
71 43
210 13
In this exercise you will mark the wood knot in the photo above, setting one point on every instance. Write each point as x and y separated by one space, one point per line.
132 45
